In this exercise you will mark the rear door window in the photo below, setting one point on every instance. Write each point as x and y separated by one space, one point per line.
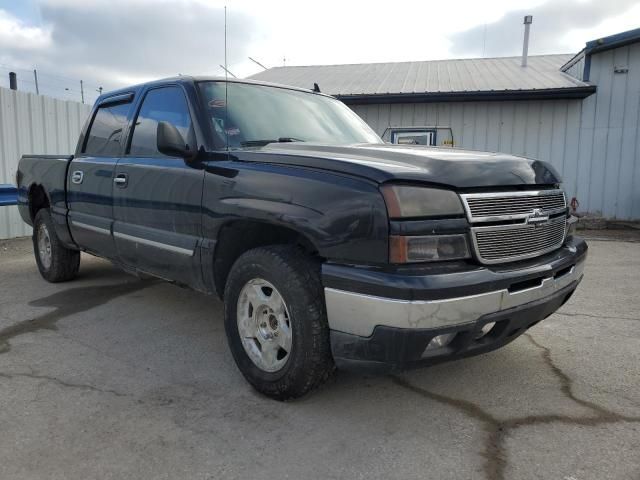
166 104
105 133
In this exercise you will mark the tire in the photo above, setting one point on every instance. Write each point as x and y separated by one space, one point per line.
56 263
286 271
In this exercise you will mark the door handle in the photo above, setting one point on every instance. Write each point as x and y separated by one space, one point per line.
121 180
77 176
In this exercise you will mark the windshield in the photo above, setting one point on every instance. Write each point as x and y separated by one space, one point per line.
255 115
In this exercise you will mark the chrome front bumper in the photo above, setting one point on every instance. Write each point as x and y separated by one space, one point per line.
359 314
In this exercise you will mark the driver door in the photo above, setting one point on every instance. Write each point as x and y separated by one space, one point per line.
157 198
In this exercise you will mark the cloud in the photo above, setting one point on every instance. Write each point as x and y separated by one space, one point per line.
550 33
112 43
118 42
149 38
15 35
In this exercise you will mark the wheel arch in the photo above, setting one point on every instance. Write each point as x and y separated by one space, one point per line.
38 198
239 236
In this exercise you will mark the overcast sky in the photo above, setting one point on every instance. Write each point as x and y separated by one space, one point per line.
112 43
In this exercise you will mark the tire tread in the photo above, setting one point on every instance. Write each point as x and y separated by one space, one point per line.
65 262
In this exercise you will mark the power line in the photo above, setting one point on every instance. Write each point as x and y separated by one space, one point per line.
52 85
46 74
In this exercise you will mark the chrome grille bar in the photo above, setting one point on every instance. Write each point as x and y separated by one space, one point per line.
533 223
515 242
491 207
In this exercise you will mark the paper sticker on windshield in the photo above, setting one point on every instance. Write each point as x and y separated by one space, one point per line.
233 131
217 104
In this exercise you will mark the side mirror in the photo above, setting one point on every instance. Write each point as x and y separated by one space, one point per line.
171 143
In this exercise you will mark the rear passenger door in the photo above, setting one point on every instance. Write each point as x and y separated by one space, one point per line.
90 177
157 198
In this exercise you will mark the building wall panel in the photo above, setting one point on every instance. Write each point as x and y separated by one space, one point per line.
626 99
577 69
571 145
616 123
593 142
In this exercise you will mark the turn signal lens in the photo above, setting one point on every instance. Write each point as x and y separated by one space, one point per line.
430 248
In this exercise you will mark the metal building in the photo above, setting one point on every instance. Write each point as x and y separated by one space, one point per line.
579 112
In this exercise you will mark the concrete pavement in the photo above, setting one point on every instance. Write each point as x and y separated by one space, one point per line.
109 376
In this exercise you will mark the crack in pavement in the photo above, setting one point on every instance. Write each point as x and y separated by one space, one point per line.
497 430
66 303
566 383
591 315
62 383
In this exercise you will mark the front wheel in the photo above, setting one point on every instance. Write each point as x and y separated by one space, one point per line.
56 263
276 322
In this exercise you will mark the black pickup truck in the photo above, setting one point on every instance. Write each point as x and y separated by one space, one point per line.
329 247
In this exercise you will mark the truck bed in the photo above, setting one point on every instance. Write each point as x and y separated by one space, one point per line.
48 172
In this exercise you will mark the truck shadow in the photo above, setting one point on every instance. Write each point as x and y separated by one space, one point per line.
68 302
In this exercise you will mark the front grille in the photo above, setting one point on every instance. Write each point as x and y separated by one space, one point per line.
530 224
511 242
484 207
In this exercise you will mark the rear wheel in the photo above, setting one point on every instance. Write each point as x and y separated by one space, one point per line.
56 263
276 322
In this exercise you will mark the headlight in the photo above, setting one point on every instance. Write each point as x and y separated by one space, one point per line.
405 201
428 248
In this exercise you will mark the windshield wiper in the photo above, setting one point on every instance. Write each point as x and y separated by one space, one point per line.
260 143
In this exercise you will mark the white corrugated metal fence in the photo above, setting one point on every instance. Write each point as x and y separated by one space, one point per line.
32 124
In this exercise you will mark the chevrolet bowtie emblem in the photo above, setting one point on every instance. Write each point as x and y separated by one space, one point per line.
537 217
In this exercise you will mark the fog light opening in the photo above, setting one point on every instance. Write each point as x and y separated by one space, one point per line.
440 341
486 328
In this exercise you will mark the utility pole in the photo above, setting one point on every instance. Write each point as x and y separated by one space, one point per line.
81 91
13 81
35 77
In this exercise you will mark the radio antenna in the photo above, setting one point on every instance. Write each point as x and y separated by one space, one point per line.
225 43
226 84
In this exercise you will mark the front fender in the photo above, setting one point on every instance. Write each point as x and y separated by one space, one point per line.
343 217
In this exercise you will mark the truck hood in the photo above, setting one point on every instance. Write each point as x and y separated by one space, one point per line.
438 165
